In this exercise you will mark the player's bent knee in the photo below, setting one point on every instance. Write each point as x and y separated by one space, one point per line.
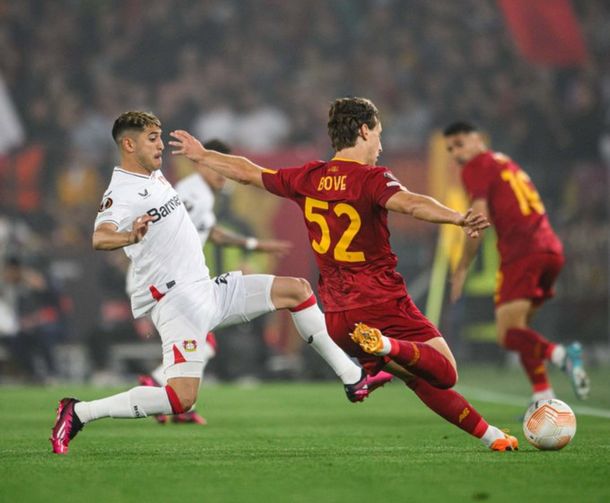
304 290
449 382
289 292
185 390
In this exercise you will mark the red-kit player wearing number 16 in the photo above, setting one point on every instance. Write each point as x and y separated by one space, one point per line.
369 314
530 252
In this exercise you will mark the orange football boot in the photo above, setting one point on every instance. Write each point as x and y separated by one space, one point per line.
368 338
508 443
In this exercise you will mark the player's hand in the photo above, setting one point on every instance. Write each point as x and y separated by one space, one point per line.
275 246
457 284
473 223
186 144
139 228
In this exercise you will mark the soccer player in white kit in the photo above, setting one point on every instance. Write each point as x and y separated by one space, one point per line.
142 213
197 192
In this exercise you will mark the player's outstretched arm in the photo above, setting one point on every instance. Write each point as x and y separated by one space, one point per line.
236 168
469 252
429 209
107 237
222 236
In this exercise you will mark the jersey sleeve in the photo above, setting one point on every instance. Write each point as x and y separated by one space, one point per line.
114 211
280 182
477 178
383 184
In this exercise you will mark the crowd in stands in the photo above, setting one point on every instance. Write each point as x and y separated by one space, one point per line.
260 75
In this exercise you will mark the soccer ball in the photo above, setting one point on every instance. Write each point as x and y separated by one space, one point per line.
549 425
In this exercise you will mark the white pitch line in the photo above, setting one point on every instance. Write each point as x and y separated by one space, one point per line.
519 401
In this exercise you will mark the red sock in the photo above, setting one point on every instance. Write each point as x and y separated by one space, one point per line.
450 405
424 361
536 372
529 343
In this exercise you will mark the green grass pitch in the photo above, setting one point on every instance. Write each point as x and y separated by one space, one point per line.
300 442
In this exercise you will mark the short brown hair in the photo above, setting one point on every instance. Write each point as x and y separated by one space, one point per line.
133 120
346 116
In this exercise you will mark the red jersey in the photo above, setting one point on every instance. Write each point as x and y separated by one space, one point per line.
343 203
515 207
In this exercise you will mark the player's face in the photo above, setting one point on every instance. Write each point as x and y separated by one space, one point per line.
374 141
149 148
462 147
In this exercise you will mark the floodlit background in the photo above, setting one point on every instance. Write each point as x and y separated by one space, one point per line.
260 75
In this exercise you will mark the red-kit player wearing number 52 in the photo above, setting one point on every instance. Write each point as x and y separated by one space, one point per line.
531 256
369 314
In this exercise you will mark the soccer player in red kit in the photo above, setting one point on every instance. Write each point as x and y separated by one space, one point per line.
531 256
368 311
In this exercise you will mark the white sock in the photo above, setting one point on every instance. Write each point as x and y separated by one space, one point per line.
387 346
558 355
543 395
491 435
138 402
312 329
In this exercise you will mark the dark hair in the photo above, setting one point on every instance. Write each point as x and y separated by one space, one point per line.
459 127
133 120
346 116
217 146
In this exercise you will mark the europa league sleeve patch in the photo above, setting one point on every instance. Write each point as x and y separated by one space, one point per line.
105 204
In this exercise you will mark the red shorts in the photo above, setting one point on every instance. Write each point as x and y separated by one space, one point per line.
531 277
398 318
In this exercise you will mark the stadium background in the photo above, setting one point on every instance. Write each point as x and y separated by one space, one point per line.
260 74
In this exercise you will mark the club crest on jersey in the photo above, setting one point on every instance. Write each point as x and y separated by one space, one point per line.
165 209
105 204
190 346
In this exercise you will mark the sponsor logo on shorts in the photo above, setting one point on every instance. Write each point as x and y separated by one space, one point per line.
190 345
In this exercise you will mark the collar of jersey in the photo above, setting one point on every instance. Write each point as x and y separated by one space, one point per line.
131 173
347 160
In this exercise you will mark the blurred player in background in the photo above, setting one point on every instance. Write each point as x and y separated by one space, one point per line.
142 214
345 202
198 194
530 252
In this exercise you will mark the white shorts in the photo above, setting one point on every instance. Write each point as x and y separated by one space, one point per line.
186 314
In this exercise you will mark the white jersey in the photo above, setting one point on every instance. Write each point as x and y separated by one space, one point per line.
198 198
170 252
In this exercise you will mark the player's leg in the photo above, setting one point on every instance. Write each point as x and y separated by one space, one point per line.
453 407
138 402
252 295
400 331
431 361
513 334
522 287
296 295
181 320
157 378
512 320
